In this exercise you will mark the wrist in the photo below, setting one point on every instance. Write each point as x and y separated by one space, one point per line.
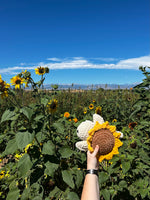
92 167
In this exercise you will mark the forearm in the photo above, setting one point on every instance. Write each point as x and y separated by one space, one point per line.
90 188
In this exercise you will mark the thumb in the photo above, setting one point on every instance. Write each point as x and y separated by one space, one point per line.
96 150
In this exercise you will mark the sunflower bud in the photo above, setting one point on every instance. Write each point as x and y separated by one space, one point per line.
133 145
46 70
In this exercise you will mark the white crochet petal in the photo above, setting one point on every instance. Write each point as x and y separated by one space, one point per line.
82 145
83 128
98 118
121 136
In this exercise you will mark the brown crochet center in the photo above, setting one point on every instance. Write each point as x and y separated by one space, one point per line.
105 140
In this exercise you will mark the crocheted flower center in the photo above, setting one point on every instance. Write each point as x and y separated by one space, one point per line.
105 140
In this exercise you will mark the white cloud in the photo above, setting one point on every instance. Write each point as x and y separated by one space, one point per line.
22 63
105 59
54 59
83 63
134 63
14 70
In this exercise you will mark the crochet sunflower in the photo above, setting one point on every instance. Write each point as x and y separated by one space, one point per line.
99 133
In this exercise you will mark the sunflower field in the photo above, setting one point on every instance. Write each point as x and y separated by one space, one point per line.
38 156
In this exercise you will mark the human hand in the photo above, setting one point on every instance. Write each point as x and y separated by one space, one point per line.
92 161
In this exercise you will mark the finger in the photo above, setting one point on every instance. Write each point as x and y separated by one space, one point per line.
95 150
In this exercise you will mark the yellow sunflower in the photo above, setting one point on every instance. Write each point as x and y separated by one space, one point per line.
85 110
107 138
17 81
2 174
66 114
52 106
114 120
75 120
98 110
40 70
91 106
3 88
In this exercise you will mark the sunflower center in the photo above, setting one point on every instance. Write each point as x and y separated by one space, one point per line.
18 81
105 140
41 70
53 105
2 85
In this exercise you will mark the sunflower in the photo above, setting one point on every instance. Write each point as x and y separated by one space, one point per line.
52 105
85 110
91 106
98 110
66 114
114 120
40 70
75 120
3 88
107 138
132 125
17 81
2 174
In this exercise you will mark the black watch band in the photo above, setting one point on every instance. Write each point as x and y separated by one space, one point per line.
92 171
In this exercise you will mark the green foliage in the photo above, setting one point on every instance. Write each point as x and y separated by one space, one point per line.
42 160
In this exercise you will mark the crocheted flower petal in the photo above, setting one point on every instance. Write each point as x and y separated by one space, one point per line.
121 134
118 143
116 134
82 145
98 118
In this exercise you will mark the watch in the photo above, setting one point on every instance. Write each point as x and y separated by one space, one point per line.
92 171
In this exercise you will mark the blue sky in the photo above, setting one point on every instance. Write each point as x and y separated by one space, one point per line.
81 41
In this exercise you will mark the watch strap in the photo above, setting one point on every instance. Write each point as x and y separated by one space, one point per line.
92 171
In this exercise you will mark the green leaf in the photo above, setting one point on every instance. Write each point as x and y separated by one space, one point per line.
68 178
123 184
125 166
37 198
25 194
55 192
44 101
79 178
50 168
48 148
106 194
72 196
23 139
28 112
24 164
38 118
65 152
11 147
59 127
13 194
103 177
143 192
7 115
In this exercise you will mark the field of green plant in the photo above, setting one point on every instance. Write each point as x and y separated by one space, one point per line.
38 157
